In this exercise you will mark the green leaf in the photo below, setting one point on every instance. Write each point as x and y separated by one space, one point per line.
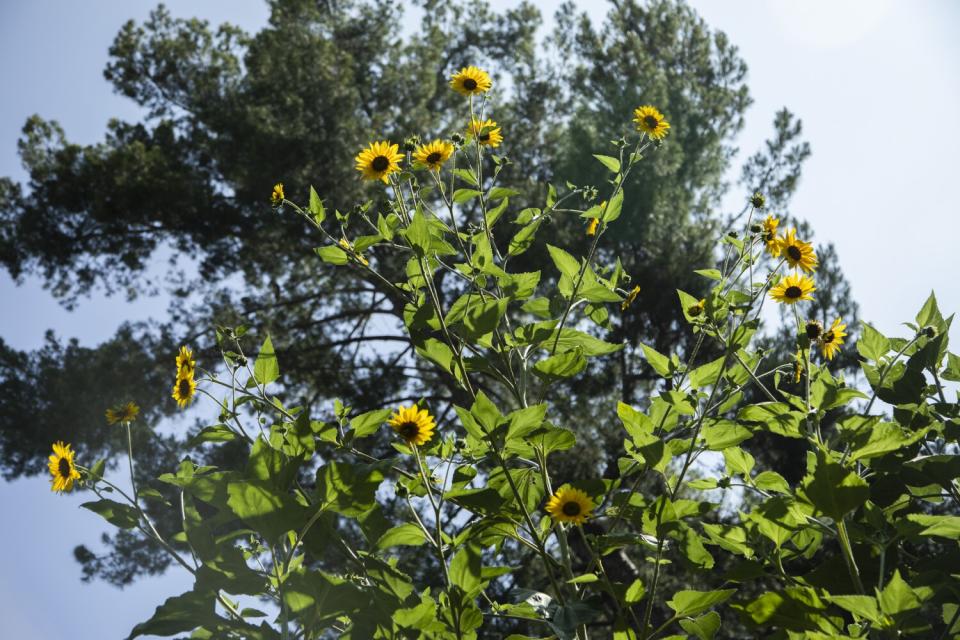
316 207
614 208
835 490
883 438
266 369
872 344
466 176
704 627
566 263
263 508
498 193
482 317
368 423
707 374
722 434
465 570
690 603
571 339
863 606
713 274
586 578
942 526
897 596
771 481
465 195
524 238
562 365
179 614
407 534
349 489
212 433
738 461
660 363
333 255
609 162
118 514
634 592
418 233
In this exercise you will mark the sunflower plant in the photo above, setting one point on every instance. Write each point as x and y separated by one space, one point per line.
421 520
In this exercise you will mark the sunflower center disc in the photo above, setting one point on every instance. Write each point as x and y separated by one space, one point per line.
794 252
571 509
184 388
469 84
793 292
380 163
483 137
409 430
813 331
64 467
433 158
828 337
651 122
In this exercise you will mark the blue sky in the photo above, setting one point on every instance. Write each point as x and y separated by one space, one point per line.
876 82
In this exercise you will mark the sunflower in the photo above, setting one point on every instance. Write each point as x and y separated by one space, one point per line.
123 414
770 235
758 200
277 197
471 81
379 160
651 122
570 505
185 362
814 329
592 226
797 253
630 298
831 340
486 132
62 468
434 154
413 424
793 289
184 389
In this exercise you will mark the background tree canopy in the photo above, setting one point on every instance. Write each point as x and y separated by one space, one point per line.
230 113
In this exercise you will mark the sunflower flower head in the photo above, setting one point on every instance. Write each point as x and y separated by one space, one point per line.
486 132
630 298
123 414
184 389
185 362
433 154
348 247
651 122
592 226
792 289
62 469
813 329
831 340
413 424
471 81
379 160
770 225
277 197
796 252
570 505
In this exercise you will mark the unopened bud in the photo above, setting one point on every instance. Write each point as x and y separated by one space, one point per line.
758 200
756 228
930 331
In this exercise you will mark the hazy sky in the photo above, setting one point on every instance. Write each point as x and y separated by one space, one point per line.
876 82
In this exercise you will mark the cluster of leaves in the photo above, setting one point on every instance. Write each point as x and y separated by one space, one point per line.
312 516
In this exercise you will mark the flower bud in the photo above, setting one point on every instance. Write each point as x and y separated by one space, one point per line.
758 200
756 227
457 139
930 331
